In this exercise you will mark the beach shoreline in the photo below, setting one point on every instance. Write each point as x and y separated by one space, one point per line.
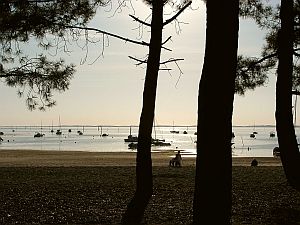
50 158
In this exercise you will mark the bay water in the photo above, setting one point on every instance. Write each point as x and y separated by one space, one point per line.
93 140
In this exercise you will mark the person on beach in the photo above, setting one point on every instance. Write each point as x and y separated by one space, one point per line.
177 160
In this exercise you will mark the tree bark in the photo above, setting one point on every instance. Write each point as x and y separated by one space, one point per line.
213 182
289 152
144 184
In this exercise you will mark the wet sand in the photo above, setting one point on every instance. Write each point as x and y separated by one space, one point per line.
37 158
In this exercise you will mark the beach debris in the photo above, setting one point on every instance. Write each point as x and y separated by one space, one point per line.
254 162
276 152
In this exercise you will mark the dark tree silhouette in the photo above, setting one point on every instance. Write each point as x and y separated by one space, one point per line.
289 152
282 45
215 104
144 183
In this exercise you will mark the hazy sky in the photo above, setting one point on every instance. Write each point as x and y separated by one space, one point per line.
109 91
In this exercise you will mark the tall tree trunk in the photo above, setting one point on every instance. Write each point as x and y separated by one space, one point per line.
213 182
144 184
289 152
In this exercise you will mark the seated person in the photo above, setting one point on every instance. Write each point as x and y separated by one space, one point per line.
177 160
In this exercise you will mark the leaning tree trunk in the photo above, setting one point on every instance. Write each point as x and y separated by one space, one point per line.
289 152
144 184
213 182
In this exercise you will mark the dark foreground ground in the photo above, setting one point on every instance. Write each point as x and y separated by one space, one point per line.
98 195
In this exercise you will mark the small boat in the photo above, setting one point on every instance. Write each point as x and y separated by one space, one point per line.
38 134
195 133
185 132
272 134
104 135
159 142
252 135
80 132
1 139
131 138
174 131
1 133
52 131
58 132
70 130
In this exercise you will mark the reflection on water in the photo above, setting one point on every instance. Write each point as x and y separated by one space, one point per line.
92 138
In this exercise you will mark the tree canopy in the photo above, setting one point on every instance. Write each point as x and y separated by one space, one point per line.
21 20
253 71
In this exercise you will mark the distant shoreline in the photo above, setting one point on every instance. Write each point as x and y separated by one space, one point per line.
42 158
89 125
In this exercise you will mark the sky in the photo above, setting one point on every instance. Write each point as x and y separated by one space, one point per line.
109 90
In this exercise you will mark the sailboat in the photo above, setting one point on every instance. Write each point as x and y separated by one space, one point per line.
254 132
52 128
174 131
158 142
39 134
130 137
104 134
59 132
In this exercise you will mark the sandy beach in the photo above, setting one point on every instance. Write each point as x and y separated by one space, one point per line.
37 158
51 187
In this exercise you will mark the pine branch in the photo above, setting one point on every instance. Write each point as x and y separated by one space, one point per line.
140 62
140 21
177 14
171 60
251 65
109 34
169 38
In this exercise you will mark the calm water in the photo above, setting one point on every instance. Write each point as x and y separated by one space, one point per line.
21 137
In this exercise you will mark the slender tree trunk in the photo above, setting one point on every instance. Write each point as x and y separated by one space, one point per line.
144 184
289 152
213 183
